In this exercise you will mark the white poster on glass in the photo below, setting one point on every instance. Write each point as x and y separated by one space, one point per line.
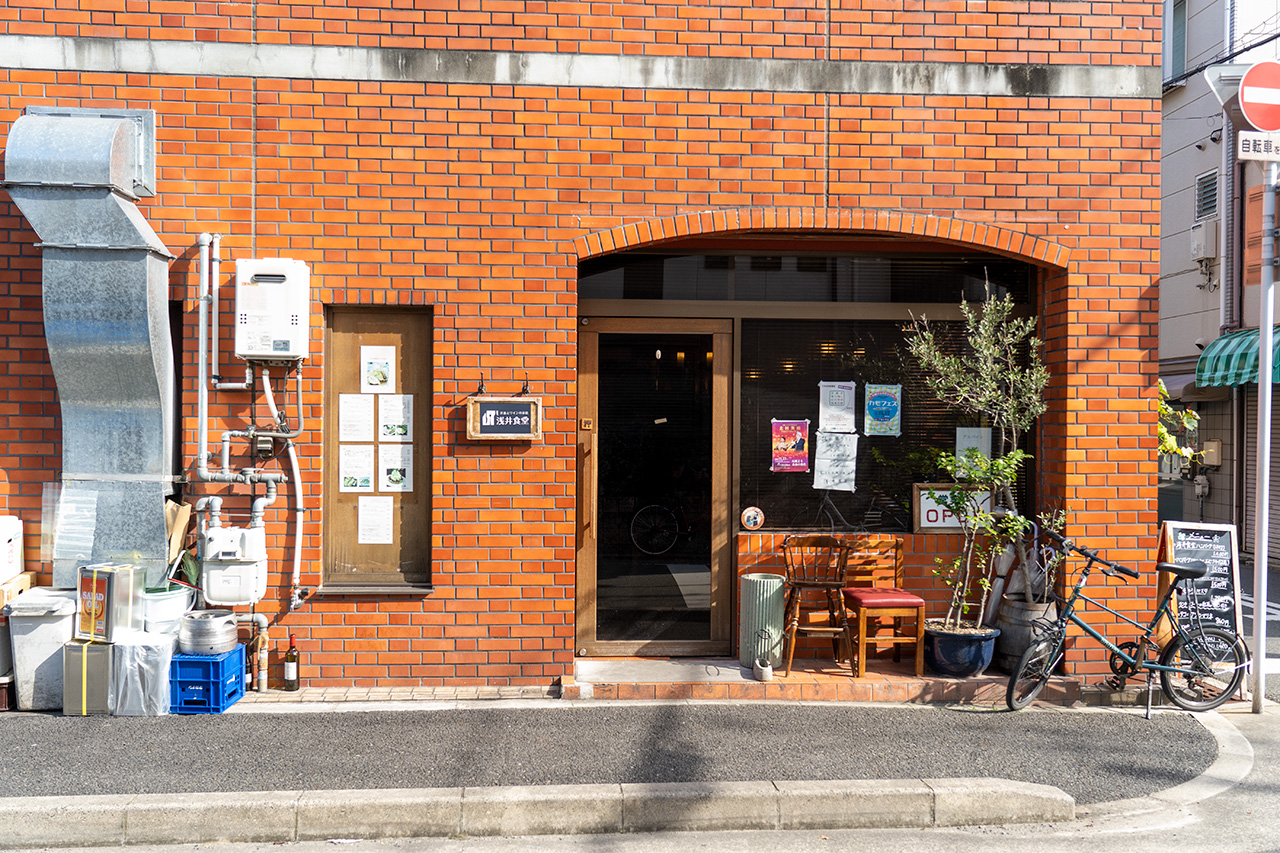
395 468
355 468
377 370
836 463
374 520
837 406
979 438
395 417
355 417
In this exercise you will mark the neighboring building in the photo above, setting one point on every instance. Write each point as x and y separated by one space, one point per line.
1210 238
665 223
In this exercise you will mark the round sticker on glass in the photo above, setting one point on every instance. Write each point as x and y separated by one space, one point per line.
753 518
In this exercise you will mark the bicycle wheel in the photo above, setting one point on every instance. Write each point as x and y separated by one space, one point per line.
654 529
1033 671
1215 660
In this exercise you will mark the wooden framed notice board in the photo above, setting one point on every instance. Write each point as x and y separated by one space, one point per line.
377 449
1213 600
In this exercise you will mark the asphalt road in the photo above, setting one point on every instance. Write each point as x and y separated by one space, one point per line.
1092 755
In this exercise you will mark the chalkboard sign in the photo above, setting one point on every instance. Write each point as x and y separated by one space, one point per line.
1213 600
504 418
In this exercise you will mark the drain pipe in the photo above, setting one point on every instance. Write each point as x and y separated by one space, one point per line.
299 499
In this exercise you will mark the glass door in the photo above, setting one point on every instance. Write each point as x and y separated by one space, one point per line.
653 448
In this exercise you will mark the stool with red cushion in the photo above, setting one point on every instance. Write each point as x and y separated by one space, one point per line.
873 592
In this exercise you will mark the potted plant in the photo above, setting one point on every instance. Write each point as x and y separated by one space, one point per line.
999 381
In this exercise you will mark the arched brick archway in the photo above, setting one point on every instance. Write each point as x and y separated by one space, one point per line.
781 219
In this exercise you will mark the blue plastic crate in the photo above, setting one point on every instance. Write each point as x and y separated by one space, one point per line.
206 684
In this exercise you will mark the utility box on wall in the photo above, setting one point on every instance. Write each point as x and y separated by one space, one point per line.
273 309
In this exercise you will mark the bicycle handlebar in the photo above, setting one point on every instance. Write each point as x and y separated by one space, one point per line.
1109 568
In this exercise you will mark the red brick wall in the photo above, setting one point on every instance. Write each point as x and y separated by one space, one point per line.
479 199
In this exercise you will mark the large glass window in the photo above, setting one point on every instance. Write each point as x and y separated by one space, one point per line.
799 278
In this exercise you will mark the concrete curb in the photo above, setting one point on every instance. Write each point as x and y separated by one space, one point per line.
529 810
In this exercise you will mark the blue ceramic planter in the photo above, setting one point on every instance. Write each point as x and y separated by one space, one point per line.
959 655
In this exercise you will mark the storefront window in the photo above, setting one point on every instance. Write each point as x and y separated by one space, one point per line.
805 319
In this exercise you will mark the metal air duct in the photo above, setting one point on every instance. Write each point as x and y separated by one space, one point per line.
75 174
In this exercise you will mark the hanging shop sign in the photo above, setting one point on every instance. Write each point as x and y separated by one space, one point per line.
504 418
933 517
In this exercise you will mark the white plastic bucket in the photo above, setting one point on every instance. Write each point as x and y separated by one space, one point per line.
165 605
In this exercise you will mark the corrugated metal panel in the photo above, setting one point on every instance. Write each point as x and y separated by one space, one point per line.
1251 474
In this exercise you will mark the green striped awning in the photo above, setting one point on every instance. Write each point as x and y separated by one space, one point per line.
1233 359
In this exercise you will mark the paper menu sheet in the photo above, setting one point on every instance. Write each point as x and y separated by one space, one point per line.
355 468
355 417
395 468
374 520
377 370
395 417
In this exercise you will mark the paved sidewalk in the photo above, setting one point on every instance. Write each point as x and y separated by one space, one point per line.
302 769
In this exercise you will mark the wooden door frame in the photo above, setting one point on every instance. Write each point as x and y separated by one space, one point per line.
721 331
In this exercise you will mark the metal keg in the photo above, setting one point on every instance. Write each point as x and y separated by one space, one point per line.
207 632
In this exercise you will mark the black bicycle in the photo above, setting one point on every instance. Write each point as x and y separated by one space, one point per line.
1199 668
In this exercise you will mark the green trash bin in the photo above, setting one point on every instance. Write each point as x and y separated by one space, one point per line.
760 624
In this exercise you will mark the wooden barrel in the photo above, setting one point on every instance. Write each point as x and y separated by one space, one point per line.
1014 620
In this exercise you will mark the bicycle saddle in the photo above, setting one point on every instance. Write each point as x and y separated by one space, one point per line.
1186 573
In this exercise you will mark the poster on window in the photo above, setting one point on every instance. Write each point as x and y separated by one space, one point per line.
790 440
977 438
883 410
395 468
835 464
395 417
837 406
377 370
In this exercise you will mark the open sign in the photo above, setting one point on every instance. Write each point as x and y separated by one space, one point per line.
933 517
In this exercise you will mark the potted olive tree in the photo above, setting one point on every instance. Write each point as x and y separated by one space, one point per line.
998 380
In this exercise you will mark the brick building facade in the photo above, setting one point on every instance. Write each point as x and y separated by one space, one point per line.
449 171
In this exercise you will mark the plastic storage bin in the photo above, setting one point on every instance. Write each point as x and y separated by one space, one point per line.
206 684
40 624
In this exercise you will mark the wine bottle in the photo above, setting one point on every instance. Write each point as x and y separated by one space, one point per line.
291 666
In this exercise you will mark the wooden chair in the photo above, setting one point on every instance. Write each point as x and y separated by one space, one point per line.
873 592
814 579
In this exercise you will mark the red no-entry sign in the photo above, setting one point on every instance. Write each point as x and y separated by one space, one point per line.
1260 95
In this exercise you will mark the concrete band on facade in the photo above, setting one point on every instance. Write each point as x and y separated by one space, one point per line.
139 56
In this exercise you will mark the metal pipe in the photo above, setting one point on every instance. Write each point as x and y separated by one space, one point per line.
259 620
1262 502
299 498
215 276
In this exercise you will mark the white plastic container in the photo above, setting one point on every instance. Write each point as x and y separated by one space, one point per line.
40 623
11 557
165 605
6 649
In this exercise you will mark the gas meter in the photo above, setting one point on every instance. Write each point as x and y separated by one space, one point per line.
273 309
234 565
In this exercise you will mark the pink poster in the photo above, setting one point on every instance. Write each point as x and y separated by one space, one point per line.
790 446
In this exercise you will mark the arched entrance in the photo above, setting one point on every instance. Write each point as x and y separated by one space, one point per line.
691 350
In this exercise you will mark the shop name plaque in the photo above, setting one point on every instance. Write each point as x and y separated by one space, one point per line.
504 418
